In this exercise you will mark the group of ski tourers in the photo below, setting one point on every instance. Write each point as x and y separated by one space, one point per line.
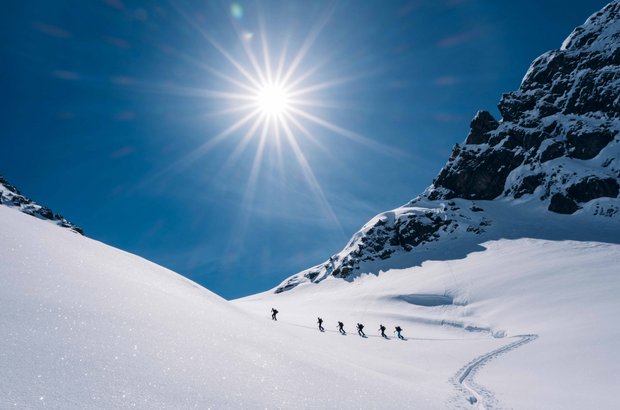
360 327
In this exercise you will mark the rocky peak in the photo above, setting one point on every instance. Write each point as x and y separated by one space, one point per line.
11 197
482 124
557 140
556 150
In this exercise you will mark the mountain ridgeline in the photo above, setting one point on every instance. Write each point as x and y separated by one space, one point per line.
556 150
11 197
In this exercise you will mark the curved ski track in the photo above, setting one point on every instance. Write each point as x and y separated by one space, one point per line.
477 395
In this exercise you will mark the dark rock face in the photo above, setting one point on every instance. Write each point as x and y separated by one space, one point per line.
481 125
562 205
478 175
529 184
587 145
567 108
591 188
10 196
553 151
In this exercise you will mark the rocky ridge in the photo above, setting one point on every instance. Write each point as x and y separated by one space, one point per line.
557 146
11 197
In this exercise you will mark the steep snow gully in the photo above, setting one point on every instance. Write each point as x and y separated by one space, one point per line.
477 394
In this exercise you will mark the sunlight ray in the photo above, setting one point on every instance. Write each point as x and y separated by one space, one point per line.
227 78
250 54
310 177
217 73
265 47
210 144
186 160
308 42
294 82
318 103
306 133
279 156
232 110
251 185
204 92
217 46
360 139
241 146
171 89
281 62
322 86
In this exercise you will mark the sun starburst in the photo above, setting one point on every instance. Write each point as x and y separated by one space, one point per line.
275 100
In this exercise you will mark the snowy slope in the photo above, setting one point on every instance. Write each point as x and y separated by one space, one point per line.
562 293
87 326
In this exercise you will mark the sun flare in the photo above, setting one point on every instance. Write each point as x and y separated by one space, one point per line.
273 100
277 103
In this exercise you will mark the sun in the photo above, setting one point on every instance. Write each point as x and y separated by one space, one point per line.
277 104
273 100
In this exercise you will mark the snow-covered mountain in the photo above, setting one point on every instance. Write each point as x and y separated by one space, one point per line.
556 150
87 326
10 196
505 302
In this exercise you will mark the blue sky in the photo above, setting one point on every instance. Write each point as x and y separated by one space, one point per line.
108 105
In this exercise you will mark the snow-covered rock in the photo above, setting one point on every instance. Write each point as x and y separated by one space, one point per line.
11 197
556 150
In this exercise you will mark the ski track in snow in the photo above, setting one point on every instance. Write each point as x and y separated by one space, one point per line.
477 395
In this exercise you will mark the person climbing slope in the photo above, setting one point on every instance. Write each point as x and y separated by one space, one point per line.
274 312
341 328
398 330
382 329
320 322
360 330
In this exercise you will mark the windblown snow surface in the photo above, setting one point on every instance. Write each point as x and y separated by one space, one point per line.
87 326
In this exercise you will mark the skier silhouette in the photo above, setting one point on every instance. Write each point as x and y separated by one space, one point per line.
341 328
274 312
360 330
382 329
320 322
398 330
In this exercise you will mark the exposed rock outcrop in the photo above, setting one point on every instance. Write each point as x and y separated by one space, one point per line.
10 196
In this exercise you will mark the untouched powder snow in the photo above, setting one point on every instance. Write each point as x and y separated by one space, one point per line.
87 326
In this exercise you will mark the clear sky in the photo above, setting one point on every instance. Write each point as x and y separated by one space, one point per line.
114 114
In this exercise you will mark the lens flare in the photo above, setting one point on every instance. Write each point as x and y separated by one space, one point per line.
236 11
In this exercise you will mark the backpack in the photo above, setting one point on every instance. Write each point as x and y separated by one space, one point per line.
398 329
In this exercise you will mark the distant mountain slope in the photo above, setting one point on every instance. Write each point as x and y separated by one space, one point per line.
10 196
556 150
